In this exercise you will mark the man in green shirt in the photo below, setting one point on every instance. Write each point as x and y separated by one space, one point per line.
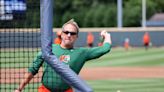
75 58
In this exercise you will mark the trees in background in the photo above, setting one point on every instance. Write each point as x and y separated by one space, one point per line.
103 13
89 13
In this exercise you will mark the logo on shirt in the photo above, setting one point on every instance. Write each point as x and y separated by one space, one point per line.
65 58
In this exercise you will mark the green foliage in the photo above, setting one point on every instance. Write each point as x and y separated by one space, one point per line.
159 5
132 13
152 8
103 13
88 13
88 20
110 16
99 15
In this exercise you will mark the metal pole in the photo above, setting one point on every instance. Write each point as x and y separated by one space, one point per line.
119 13
143 13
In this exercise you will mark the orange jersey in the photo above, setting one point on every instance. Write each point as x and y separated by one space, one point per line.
146 38
57 40
90 38
126 45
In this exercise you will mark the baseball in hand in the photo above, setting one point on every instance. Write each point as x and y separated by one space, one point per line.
103 33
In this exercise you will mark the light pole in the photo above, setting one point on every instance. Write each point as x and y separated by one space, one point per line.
119 14
143 13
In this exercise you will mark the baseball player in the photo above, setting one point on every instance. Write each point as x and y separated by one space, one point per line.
146 40
75 58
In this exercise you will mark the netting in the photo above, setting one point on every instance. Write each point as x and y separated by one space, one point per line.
19 42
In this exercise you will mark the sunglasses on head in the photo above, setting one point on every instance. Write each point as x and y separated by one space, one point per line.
71 33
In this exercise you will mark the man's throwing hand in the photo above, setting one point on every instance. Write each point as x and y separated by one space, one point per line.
106 36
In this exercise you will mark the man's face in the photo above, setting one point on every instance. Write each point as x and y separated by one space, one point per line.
69 35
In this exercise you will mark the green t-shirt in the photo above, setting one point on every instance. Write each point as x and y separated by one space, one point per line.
75 58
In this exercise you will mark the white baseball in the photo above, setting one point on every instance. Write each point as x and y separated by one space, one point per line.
118 91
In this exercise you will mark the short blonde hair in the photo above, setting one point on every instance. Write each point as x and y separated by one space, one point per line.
72 22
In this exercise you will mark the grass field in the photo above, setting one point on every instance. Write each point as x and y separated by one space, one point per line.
118 85
133 57
118 57
128 85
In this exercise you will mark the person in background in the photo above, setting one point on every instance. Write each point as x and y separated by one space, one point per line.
57 40
90 39
146 40
126 44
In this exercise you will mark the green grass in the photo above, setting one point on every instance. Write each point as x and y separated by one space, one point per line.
124 85
32 87
128 85
133 57
17 58
117 57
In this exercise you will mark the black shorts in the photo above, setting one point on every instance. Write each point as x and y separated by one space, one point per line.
146 44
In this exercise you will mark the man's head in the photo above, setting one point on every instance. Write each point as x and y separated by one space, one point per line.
69 34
